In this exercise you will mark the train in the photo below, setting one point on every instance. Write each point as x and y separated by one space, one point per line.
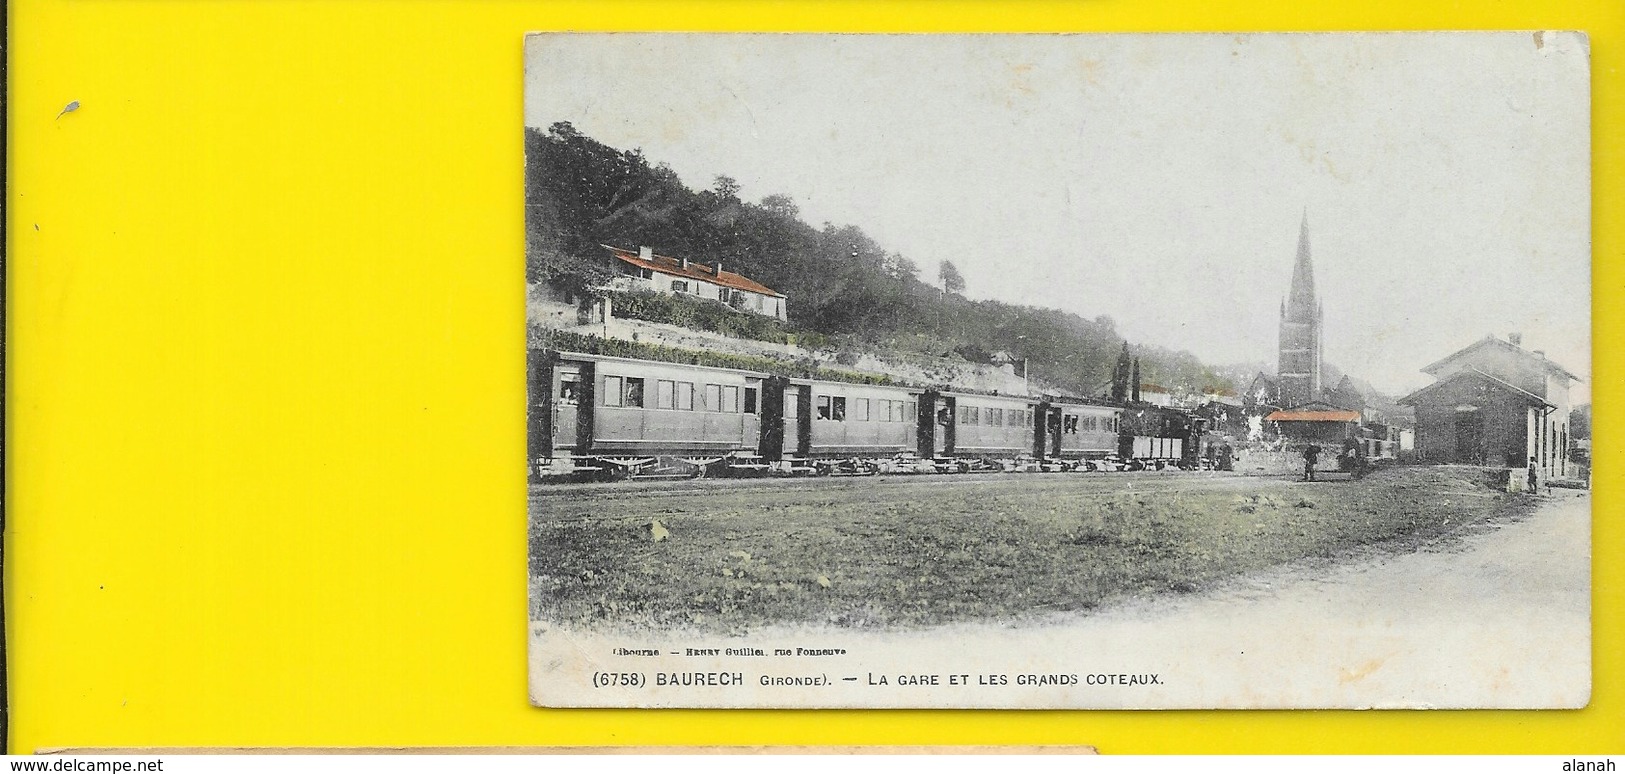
600 417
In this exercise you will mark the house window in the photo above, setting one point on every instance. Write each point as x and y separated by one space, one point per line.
750 402
679 286
665 394
860 409
685 396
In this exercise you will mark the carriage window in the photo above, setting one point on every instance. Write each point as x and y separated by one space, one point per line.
713 398
750 402
824 403
995 416
685 396
1018 417
975 417
909 411
730 400
839 413
792 404
612 391
569 388
860 409
634 392
1070 424
665 394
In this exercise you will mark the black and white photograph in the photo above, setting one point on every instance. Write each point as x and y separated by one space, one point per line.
1102 371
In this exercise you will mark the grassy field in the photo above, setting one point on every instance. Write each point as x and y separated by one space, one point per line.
730 556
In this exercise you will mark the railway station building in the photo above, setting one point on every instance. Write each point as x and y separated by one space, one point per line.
1495 404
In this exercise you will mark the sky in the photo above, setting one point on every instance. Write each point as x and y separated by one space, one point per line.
1160 180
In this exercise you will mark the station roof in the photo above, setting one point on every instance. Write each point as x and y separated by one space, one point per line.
1492 343
1426 393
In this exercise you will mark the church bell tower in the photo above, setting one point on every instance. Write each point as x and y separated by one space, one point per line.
1299 367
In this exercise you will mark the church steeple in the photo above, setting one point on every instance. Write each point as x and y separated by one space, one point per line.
1303 272
1300 363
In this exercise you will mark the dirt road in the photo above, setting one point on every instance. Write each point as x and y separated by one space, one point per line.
1496 617
1501 618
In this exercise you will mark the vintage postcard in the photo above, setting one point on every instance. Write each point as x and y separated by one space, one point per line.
1059 371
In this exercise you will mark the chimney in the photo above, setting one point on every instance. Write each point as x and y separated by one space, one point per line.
685 264
1516 338
719 268
647 253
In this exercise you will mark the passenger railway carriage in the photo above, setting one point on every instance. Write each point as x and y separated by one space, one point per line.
596 416
1082 435
616 416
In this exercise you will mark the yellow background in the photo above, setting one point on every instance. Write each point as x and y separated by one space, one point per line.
265 420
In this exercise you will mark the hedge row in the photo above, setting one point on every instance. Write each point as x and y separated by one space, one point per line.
701 314
551 338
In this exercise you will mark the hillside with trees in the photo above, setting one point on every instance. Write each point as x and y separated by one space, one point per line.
843 286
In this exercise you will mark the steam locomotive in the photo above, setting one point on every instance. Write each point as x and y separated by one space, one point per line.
605 418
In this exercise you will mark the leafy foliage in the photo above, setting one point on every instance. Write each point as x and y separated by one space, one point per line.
581 193
952 280
706 315
551 338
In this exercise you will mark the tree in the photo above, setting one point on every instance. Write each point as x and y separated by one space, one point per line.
1134 387
1121 375
726 187
781 206
952 280
1580 421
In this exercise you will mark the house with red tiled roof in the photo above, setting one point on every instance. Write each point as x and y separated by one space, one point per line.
642 269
